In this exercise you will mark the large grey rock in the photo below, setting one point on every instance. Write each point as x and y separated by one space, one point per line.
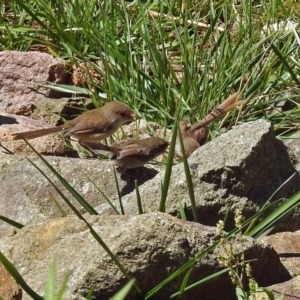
26 196
241 168
150 247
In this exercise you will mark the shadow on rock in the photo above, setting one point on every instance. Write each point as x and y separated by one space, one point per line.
7 120
141 175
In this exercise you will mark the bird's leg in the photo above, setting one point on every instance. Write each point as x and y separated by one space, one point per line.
124 172
99 146
85 146
81 148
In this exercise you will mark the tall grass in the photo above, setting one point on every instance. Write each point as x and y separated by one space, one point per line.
164 66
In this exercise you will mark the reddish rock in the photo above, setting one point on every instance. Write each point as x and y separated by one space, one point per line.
21 75
288 290
9 289
287 245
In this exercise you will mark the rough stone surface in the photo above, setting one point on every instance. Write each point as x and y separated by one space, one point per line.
9 289
52 111
294 144
26 196
287 245
149 246
241 168
289 290
20 76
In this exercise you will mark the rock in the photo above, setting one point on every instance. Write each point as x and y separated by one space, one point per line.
150 247
289 290
240 169
27 197
21 75
52 111
293 143
9 289
287 245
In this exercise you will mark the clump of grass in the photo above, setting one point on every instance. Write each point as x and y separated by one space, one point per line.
165 66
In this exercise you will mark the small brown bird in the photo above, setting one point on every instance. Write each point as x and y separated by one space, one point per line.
130 154
190 141
195 136
90 126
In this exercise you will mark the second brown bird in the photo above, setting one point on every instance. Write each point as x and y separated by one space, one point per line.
195 136
130 154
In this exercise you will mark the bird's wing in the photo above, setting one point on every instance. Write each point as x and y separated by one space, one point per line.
133 149
90 126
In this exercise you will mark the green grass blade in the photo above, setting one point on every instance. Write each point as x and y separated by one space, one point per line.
200 282
189 181
100 191
73 208
109 252
90 293
11 222
121 295
63 213
66 88
181 210
95 235
179 271
270 294
285 63
50 285
184 282
268 201
276 216
138 197
63 287
118 192
168 170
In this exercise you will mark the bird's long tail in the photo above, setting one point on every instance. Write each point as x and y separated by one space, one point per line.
35 133
229 104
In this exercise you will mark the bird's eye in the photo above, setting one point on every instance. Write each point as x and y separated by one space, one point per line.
123 114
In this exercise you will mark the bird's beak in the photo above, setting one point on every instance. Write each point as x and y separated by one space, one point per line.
132 116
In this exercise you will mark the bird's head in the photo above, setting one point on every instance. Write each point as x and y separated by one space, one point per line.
119 112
